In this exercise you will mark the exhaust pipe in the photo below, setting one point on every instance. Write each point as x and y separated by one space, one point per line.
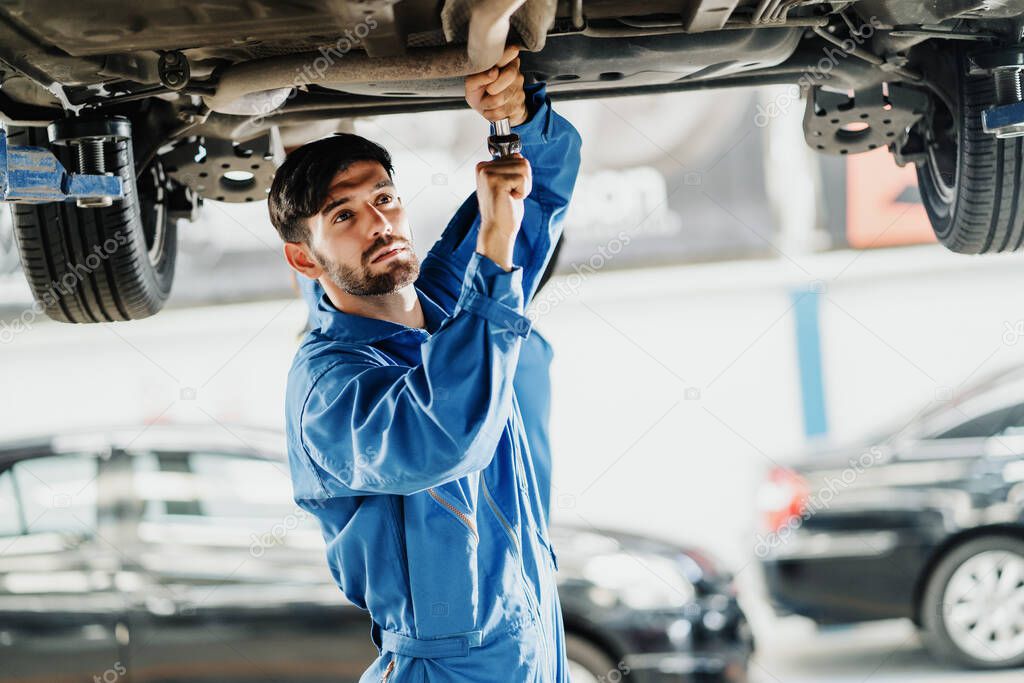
257 88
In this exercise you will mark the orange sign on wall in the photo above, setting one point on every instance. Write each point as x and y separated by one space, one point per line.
883 207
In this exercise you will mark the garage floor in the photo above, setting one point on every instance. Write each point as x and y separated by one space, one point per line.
887 652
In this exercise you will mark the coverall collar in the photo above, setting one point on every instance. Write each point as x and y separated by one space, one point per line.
357 329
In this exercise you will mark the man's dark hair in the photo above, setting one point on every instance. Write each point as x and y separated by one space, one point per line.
300 186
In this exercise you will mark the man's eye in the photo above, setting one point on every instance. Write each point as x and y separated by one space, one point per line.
342 216
384 199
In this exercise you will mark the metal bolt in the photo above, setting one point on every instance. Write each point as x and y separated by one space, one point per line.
1009 88
91 161
90 156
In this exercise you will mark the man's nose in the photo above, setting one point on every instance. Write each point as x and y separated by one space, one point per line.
381 225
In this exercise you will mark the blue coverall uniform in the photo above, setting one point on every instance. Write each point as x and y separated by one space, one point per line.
532 385
409 447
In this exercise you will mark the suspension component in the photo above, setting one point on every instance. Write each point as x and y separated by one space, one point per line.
33 175
91 139
1004 65
174 70
873 117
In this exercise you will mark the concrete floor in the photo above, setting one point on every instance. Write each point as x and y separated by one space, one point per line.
794 651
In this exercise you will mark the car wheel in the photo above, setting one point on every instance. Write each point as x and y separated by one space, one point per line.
969 180
587 663
973 605
87 265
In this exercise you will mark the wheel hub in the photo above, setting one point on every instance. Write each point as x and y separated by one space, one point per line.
983 606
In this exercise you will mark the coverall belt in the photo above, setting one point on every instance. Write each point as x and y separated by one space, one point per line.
432 648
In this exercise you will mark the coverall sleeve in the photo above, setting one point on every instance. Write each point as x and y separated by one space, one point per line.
552 146
377 429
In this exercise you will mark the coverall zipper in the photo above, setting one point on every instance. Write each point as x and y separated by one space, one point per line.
455 511
387 672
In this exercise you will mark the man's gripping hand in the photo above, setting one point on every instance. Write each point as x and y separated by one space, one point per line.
501 187
498 92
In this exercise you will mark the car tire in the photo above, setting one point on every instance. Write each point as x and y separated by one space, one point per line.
8 250
88 265
588 663
969 180
948 601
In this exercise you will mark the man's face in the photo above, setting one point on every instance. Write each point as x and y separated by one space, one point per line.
361 237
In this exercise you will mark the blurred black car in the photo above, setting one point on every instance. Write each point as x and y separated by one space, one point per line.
925 522
176 554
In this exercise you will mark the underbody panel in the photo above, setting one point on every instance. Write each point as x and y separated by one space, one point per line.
57 55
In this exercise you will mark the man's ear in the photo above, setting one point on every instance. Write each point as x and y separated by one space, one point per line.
298 256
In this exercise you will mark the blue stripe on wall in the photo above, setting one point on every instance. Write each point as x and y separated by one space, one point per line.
806 304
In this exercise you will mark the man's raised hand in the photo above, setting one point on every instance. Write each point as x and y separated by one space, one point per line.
501 187
498 92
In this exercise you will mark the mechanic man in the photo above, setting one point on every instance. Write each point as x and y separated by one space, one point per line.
532 381
405 436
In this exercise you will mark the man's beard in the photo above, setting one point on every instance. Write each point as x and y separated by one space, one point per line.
359 281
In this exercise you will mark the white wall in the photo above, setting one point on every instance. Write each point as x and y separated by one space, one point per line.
899 329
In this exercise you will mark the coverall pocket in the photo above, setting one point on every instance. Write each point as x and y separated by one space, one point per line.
390 669
387 668
454 509
441 551
401 669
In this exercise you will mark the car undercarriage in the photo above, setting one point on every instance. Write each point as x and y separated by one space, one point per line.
185 101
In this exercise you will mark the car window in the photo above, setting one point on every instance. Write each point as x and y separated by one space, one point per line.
182 486
983 426
1015 425
50 494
